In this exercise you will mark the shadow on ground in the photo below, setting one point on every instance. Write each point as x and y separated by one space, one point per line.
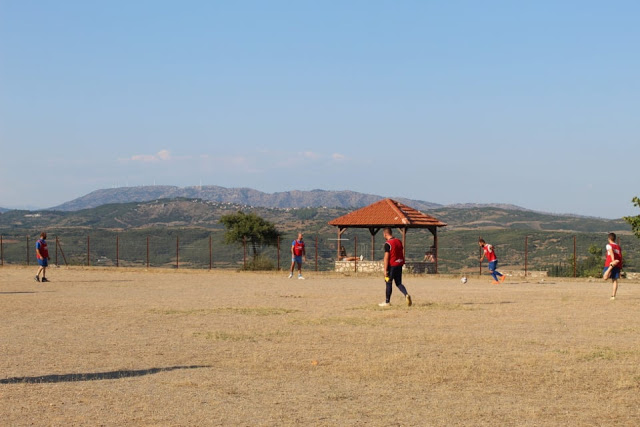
18 292
488 303
113 375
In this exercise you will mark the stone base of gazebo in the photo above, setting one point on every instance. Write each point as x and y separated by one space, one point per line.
377 267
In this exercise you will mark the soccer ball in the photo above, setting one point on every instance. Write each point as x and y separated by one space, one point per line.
463 280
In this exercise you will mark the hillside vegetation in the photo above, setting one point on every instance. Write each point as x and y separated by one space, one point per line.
194 221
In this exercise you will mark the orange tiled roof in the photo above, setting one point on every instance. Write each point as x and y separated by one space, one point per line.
387 213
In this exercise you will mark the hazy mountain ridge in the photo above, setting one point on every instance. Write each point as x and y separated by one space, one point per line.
243 196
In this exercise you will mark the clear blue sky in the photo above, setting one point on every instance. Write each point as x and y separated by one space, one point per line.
532 103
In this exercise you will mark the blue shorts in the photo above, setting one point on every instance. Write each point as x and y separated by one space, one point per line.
297 258
43 262
493 265
615 273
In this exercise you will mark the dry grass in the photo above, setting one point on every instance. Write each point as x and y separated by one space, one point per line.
116 347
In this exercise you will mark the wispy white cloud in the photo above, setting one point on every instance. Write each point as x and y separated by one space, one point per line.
310 155
338 157
162 155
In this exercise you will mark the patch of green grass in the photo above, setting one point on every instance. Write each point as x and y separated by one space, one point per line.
622 331
247 311
340 321
224 336
338 397
237 336
419 307
603 353
256 311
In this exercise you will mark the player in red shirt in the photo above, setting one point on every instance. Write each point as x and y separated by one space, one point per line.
613 263
298 253
489 252
393 262
42 254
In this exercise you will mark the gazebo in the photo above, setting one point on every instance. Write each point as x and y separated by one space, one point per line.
388 213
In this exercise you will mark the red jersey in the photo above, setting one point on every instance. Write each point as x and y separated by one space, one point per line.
489 252
617 254
298 247
396 252
42 251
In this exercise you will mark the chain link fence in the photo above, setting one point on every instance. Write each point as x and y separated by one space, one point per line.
457 250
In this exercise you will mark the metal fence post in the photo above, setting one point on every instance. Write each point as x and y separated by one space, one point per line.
177 252
244 246
210 253
117 250
1 251
526 254
278 252
316 252
27 250
62 252
480 257
56 250
574 257
88 251
147 252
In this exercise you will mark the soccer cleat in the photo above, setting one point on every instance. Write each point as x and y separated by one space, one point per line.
502 278
408 298
495 282
613 298
290 275
385 304
300 277
37 279
44 279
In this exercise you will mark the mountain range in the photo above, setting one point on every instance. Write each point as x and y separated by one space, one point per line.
249 197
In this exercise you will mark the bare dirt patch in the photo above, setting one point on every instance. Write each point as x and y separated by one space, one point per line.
162 347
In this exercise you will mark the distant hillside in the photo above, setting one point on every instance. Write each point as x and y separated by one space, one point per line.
241 196
487 205
4 210
195 221
182 212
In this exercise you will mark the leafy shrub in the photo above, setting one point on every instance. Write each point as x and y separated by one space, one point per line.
260 263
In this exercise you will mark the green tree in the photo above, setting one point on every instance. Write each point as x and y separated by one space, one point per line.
634 221
254 229
588 267
595 251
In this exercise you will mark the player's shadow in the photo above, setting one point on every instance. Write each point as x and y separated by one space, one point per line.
95 376
488 303
18 292
96 281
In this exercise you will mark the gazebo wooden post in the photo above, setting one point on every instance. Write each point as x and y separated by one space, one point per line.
340 231
404 242
434 231
373 231
373 244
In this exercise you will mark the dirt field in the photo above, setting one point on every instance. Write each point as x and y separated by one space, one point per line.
126 347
